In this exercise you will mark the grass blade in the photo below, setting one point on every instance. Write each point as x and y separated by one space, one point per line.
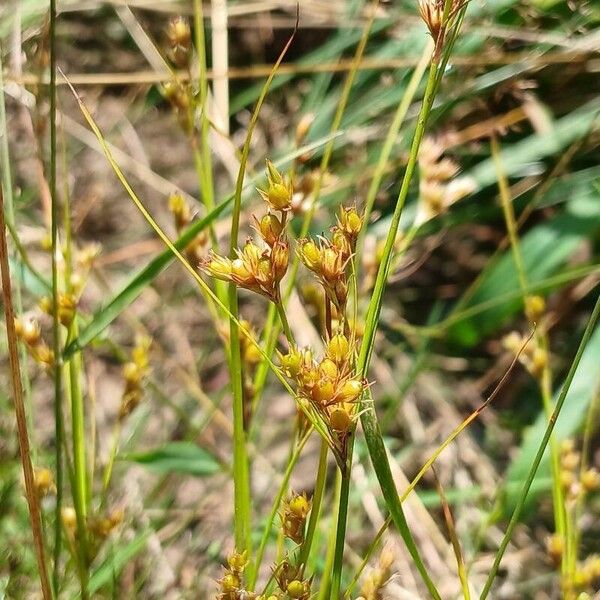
541 449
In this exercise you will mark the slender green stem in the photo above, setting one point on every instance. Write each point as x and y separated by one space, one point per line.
315 510
368 418
80 489
56 333
240 458
340 536
540 453
284 322
329 557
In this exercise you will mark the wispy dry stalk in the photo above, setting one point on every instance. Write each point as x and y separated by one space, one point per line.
32 499
220 58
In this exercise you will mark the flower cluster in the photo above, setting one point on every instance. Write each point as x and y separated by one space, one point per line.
438 188
328 385
372 588
328 259
293 517
30 333
135 372
256 268
290 582
231 583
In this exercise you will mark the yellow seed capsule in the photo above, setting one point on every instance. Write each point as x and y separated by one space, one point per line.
296 589
338 348
340 420
46 305
280 256
30 331
44 482
270 228
67 303
328 368
251 253
310 255
291 362
324 391
350 222
237 561
555 547
590 480
299 506
240 270
350 391
534 307
219 267
230 582
68 517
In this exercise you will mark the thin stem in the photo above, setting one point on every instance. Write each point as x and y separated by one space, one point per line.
80 489
56 334
240 458
32 499
315 510
540 453
340 536
368 418
284 322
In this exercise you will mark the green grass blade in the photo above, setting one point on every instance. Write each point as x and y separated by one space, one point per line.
541 450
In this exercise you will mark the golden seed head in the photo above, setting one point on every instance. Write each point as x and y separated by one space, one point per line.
270 228
590 480
279 192
179 39
252 354
351 391
303 126
340 419
534 307
240 270
218 267
230 582
297 589
67 304
350 222
555 547
180 210
43 355
280 256
237 561
68 517
291 363
299 506
539 360
44 481
328 368
29 330
338 348
570 461
46 305
310 254
323 392
340 242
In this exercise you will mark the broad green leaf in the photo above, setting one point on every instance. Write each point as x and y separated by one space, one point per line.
177 457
